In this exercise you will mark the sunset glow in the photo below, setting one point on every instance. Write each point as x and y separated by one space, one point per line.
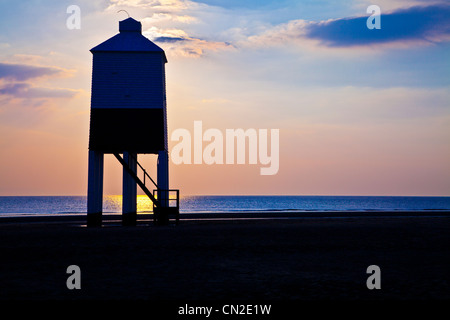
357 114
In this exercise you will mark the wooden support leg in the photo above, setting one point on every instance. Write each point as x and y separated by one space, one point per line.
129 191
95 189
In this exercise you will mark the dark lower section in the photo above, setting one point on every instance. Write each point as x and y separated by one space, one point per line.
129 219
94 219
162 215
229 262
132 130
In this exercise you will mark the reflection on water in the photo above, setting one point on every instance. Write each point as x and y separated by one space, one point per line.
113 204
198 204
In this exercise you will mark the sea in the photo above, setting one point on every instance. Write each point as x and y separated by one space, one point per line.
60 205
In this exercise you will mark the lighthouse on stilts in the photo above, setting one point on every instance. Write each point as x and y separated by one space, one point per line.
129 117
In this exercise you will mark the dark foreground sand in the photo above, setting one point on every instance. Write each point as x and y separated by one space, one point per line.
232 260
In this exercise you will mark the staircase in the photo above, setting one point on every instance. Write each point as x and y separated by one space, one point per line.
162 209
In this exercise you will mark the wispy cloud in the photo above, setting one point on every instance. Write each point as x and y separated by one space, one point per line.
21 81
28 91
23 72
286 33
392 5
169 39
164 21
164 17
179 43
420 24
167 4
191 47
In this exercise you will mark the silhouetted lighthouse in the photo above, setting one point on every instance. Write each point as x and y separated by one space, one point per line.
128 116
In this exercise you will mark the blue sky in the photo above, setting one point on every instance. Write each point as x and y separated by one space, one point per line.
359 111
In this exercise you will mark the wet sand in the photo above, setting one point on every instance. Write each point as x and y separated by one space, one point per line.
290 259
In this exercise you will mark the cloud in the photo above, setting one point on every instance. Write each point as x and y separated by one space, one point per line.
23 72
407 25
192 47
159 5
179 43
403 27
391 5
420 23
26 90
164 22
169 39
163 17
239 4
18 81
285 33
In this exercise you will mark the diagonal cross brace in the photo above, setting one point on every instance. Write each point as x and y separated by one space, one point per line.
136 178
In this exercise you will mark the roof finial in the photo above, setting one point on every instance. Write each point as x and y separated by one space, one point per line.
125 12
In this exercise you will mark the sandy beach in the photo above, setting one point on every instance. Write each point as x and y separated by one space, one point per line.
292 259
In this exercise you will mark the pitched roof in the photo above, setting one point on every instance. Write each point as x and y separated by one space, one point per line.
129 39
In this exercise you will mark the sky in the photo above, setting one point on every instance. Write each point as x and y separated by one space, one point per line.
359 111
